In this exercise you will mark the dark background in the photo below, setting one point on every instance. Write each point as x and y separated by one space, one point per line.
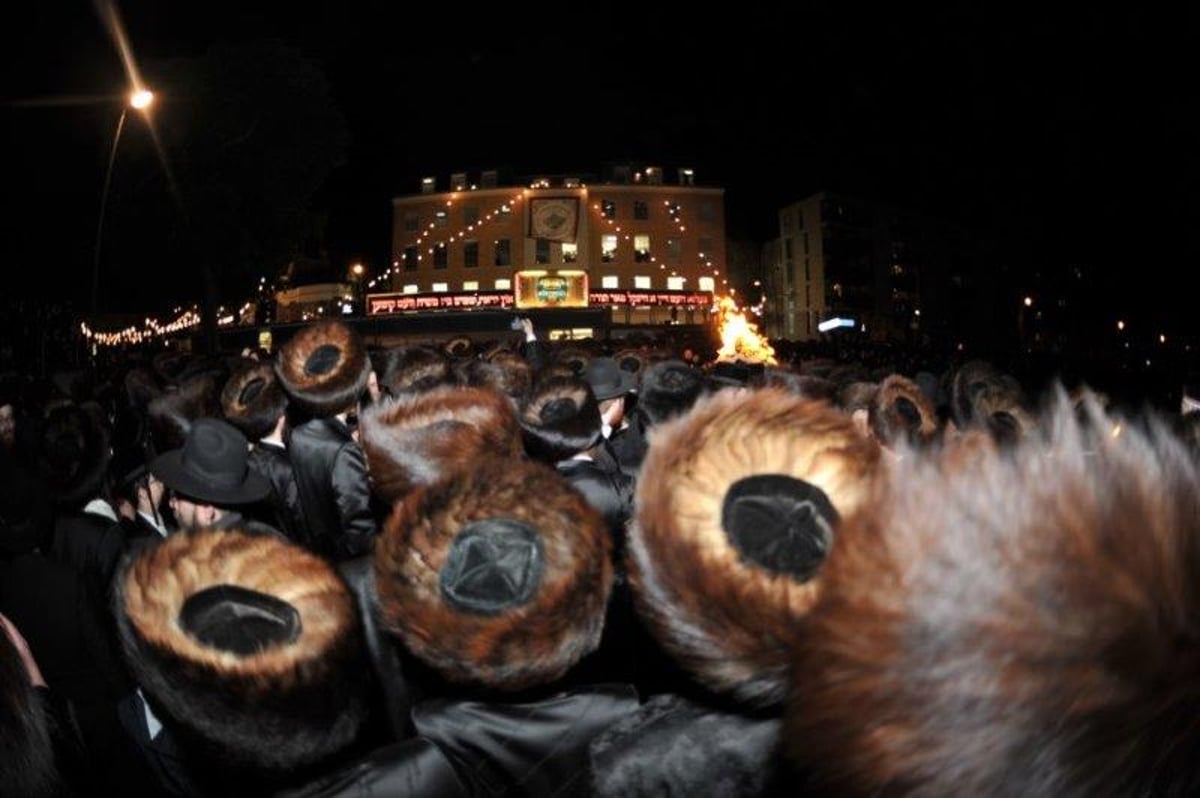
1062 138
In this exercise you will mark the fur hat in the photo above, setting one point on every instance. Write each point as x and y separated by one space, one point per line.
1025 624
253 400
899 411
983 396
507 373
249 646
561 419
500 580
413 369
632 361
574 358
737 506
418 439
323 368
669 389
172 414
461 346
74 452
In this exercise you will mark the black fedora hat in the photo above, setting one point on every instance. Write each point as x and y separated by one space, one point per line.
211 466
607 378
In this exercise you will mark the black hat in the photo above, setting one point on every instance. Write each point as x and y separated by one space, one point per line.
561 419
608 379
211 466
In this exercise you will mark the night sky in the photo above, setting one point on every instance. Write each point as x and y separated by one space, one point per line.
1062 139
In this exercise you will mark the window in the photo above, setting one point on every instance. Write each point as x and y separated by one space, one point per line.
641 210
542 251
675 283
411 288
441 218
570 252
504 212
654 175
706 284
687 177
428 184
502 255
441 254
706 248
411 258
570 182
504 284
458 181
609 281
471 285
641 249
641 282
488 179
806 243
674 249
787 248
470 254
608 248
470 214
441 288
412 222
708 212
608 209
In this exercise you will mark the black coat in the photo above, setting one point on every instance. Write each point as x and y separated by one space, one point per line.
282 508
331 482
90 544
610 493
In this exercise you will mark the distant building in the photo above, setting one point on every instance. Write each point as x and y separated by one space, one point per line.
647 243
898 275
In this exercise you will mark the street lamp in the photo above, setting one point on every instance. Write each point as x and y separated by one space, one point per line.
140 99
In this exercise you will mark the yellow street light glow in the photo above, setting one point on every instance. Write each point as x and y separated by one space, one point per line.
141 99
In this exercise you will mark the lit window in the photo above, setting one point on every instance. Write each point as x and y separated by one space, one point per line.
427 185
542 251
471 285
441 218
706 284
641 282
471 254
505 210
641 249
504 284
570 253
641 210
675 283
411 288
608 248
609 281
441 288
687 177
458 181
608 209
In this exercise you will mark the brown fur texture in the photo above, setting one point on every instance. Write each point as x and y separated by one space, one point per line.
1017 624
729 622
283 707
253 400
507 373
414 369
984 397
173 413
529 645
857 396
561 419
574 358
334 391
418 439
900 412
632 361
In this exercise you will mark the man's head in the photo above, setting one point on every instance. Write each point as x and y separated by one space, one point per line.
209 474
610 383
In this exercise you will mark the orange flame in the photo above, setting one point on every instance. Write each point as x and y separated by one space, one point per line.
740 338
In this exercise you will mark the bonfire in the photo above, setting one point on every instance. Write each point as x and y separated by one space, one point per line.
740 339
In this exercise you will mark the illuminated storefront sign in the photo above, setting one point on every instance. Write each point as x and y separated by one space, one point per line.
382 304
684 299
544 289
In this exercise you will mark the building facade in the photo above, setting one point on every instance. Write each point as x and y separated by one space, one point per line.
633 233
897 275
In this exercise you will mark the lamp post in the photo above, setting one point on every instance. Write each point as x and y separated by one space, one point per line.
140 100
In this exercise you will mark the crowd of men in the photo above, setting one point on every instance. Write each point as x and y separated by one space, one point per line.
517 568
